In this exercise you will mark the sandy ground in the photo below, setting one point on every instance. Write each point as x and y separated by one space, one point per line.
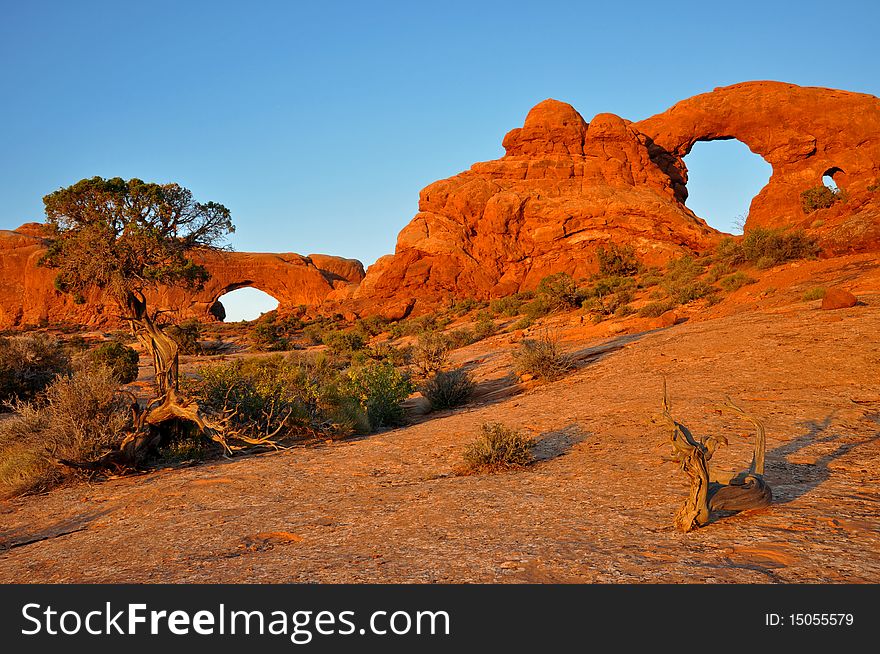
597 507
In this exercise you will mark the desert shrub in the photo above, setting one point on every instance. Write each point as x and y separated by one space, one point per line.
684 292
465 306
820 197
718 270
650 278
541 358
765 248
511 305
187 335
523 323
537 308
448 389
484 328
769 247
344 343
815 293
729 254
656 309
431 353
681 281
624 310
415 326
380 390
607 304
314 333
608 286
735 281
28 364
874 187
498 448
371 326
120 359
617 261
396 356
266 336
267 394
559 291
79 418
461 337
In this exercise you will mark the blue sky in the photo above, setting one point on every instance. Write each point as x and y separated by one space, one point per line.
318 123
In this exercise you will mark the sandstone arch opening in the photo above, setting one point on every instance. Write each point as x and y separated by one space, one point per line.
833 178
723 177
243 303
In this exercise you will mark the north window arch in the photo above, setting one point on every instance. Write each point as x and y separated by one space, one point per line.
243 302
724 175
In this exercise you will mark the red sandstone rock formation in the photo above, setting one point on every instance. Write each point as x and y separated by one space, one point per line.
563 188
804 133
28 295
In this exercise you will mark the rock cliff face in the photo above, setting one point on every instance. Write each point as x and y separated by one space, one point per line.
566 186
563 188
28 295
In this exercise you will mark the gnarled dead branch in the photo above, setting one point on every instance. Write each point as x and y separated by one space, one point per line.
747 490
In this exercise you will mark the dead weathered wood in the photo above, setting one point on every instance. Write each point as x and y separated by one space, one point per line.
747 490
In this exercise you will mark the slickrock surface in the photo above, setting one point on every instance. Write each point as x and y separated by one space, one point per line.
597 507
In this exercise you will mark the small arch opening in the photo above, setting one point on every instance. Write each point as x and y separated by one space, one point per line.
833 178
723 177
244 303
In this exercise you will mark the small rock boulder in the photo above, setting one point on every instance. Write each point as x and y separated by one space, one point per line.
838 298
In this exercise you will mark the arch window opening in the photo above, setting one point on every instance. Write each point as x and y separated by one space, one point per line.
723 177
246 303
831 179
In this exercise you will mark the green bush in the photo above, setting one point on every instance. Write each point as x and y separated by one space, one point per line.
79 418
120 359
682 281
769 247
511 305
541 358
371 326
267 394
28 364
448 389
606 305
765 248
380 390
815 293
431 353
268 336
498 448
559 291
617 261
537 308
735 281
344 343
820 197
484 328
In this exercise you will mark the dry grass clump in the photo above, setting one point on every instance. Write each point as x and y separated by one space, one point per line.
542 359
448 389
78 418
498 448
815 293
28 364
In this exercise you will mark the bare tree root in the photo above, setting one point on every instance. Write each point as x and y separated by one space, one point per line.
747 490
